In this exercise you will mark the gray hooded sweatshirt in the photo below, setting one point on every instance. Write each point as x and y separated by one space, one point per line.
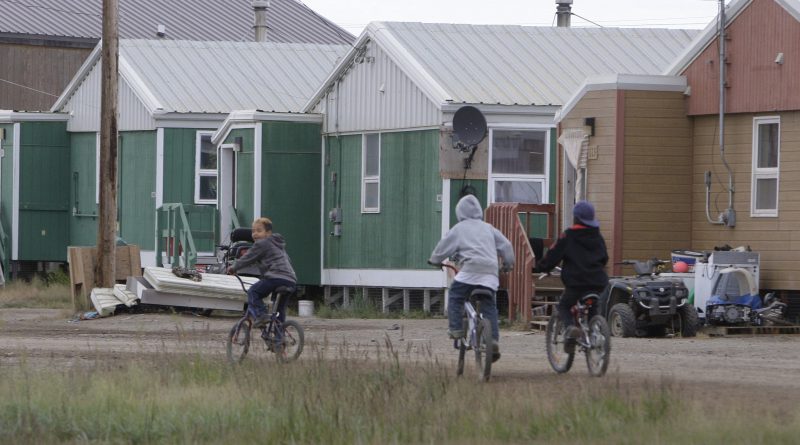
269 254
475 242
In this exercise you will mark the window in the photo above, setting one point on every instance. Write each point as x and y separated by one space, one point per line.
519 166
766 161
205 176
371 173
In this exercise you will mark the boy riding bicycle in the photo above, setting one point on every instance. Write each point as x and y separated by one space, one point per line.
582 250
474 245
274 266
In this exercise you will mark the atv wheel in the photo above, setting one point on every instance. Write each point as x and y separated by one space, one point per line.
622 321
689 320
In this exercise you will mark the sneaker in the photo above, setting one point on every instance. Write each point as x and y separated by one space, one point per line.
455 335
495 352
261 321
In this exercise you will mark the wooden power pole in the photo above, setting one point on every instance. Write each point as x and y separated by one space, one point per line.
107 226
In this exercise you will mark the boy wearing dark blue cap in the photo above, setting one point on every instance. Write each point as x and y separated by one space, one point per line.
582 250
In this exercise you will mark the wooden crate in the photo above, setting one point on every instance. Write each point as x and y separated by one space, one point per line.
82 271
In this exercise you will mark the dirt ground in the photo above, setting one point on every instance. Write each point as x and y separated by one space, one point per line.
761 365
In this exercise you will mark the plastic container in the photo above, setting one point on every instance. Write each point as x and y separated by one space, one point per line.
305 308
687 256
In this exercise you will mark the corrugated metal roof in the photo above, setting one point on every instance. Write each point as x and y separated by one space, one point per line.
503 64
288 20
217 77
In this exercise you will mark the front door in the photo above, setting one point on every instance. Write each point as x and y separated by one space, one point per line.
227 191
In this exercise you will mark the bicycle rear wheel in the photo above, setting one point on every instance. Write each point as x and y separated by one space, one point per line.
483 351
560 360
238 341
292 343
598 353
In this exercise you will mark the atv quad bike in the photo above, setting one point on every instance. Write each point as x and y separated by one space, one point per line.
648 304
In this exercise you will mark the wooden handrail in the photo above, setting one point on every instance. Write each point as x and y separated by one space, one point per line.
181 249
508 218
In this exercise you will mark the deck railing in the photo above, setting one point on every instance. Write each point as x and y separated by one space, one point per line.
175 239
517 222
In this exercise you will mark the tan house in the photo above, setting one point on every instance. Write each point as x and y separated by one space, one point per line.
668 172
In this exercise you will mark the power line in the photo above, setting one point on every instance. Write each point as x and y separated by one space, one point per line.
27 87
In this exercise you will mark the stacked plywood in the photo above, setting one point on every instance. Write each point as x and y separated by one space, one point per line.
105 300
211 285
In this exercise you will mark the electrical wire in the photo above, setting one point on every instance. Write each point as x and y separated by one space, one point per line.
27 87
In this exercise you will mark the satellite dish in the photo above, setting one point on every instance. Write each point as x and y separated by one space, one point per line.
469 126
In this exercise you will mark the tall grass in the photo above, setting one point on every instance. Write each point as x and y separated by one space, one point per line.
51 293
346 399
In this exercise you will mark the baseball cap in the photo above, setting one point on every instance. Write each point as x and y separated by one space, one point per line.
584 212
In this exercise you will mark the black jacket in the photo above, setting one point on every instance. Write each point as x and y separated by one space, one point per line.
583 252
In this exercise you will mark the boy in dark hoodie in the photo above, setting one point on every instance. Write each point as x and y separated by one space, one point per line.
583 252
474 245
275 269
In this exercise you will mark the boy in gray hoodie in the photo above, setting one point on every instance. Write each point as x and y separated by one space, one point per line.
275 269
474 245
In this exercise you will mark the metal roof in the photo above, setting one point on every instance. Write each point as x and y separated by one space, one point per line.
218 77
288 20
508 65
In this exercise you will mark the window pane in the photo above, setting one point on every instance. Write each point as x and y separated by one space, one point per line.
208 187
208 155
372 195
768 145
527 192
518 152
766 194
372 155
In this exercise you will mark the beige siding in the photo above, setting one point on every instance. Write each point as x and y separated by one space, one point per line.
776 239
600 172
34 76
656 210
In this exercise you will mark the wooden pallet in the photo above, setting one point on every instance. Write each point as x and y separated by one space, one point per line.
726 331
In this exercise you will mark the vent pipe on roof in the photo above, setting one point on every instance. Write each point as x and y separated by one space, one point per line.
563 13
161 31
260 26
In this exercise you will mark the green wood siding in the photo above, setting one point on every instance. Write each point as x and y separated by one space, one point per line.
244 175
137 187
44 191
83 186
180 145
179 162
408 226
481 189
290 195
6 190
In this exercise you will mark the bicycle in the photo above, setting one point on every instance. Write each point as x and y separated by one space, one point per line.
477 333
284 339
594 339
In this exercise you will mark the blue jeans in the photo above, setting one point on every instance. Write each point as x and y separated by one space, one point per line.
262 288
455 307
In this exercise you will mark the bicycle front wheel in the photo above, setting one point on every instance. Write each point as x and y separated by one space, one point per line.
291 345
560 360
238 341
484 349
598 353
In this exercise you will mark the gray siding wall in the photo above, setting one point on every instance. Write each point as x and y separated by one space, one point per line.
376 95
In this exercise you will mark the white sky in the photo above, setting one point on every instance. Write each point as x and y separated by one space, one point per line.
354 15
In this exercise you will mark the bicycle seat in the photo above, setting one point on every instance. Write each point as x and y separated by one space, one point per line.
284 290
480 293
590 298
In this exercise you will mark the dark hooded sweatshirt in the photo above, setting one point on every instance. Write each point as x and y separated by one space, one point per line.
583 252
270 256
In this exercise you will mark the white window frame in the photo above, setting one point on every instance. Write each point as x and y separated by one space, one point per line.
764 173
372 179
543 178
199 173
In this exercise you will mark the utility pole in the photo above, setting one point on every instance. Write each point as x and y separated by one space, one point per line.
107 226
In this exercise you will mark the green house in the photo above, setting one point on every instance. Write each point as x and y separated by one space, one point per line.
390 174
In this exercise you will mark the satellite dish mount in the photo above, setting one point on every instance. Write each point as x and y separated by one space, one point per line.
469 129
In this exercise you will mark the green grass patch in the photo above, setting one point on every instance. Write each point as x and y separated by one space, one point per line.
346 399
363 307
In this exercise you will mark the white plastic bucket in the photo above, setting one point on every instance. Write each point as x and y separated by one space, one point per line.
305 308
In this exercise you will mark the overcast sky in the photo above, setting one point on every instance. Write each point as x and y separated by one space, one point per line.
354 15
